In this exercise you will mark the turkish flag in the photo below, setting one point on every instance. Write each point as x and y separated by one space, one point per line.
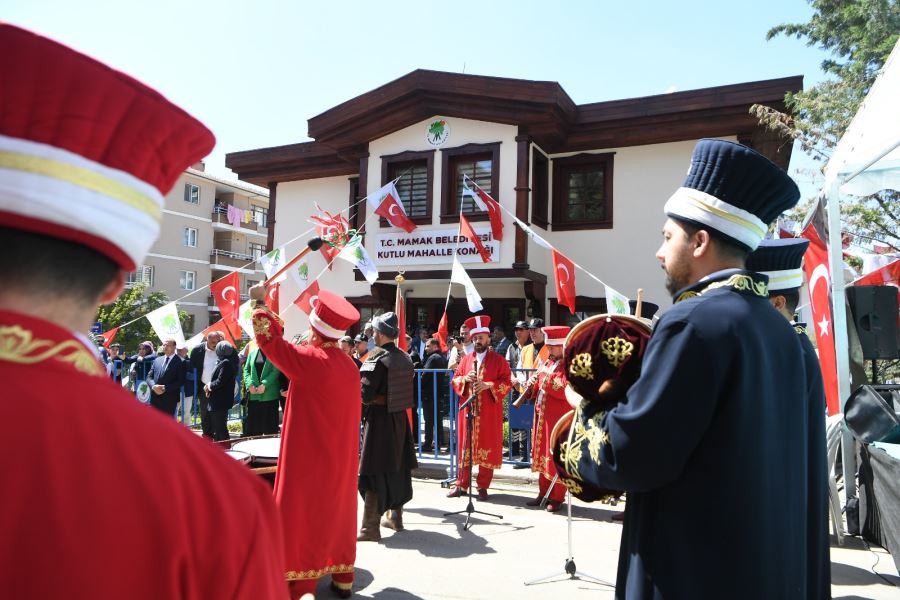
442 333
815 265
109 336
333 229
391 209
226 292
222 327
565 280
493 209
272 297
307 299
465 229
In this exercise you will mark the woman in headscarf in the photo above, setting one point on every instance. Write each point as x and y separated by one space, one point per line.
141 362
263 383
220 391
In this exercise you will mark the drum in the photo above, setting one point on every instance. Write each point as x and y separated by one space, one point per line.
602 357
241 457
263 450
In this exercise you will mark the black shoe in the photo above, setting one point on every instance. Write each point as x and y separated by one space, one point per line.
340 592
521 465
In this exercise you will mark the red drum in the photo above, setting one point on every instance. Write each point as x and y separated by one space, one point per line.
602 357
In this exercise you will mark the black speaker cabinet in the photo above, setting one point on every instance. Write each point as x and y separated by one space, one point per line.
874 309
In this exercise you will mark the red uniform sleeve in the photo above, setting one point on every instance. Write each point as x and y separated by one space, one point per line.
556 386
459 378
503 380
269 331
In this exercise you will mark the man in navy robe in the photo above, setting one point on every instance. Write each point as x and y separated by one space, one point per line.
711 442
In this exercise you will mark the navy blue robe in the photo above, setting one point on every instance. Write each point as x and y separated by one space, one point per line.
712 447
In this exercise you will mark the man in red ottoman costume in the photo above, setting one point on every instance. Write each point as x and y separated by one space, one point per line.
548 394
485 374
315 484
98 500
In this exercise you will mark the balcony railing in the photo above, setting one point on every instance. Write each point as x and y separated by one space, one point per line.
230 254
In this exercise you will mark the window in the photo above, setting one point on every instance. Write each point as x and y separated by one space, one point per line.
479 162
144 275
539 180
190 237
187 279
192 193
250 284
416 172
353 216
257 250
260 215
582 192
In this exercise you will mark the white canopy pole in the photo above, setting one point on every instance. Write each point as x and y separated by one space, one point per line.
839 327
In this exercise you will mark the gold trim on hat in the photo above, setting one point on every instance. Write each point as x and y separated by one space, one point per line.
81 177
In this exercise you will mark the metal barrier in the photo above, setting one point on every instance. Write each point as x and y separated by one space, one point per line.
434 386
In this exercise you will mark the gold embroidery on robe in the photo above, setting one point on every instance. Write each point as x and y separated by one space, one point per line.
17 345
316 573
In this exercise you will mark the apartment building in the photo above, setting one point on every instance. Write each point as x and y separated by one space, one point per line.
211 227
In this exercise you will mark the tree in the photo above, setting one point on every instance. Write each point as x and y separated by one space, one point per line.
859 36
132 305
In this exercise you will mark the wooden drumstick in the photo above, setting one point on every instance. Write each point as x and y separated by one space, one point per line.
311 246
640 300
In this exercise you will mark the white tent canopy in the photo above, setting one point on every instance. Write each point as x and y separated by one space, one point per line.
865 161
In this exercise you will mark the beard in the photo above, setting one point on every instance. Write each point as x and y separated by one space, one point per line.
677 278
480 347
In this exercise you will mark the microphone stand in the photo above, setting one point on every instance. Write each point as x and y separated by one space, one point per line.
469 407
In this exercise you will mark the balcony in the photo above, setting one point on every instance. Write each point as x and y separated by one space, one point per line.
231 261
220 222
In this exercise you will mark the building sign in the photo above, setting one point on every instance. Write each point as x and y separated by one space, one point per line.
437 132
431 247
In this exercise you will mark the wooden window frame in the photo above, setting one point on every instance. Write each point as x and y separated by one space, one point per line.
540 192
562 167
390 160
449 156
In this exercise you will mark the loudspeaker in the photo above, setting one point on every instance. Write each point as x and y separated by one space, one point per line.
874 309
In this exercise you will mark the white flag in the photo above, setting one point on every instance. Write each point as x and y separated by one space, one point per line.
459 275
245 318
166 324
467 191
273 261
534 237
616 303
299 272
355 254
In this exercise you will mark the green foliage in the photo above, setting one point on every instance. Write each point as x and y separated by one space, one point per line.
859 36
130 305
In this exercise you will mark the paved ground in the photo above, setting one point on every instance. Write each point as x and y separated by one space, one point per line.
436 559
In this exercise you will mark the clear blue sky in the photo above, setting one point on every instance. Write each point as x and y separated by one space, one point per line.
254 72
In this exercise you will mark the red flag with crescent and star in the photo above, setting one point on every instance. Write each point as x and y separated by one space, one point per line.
564 269
272 297
222 327
487 204
465 229
109 336
307 299
334 231
226 292
391 209
815 266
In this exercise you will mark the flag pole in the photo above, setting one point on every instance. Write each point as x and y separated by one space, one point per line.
312 245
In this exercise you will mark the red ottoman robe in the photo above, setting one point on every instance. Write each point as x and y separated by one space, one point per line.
488 425
104 497
315 484
547 411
